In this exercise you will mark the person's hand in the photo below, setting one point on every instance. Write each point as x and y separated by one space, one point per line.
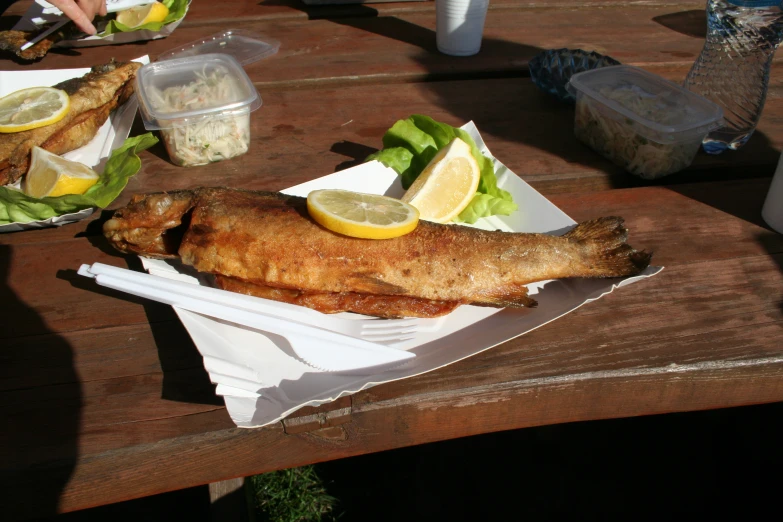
81 12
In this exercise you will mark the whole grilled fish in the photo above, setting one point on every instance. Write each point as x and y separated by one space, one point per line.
266 244
92 98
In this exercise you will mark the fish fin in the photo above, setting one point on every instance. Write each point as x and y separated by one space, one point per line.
608 230
372 284
608 254
507 297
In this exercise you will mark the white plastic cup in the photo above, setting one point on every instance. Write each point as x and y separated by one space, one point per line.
459 26
772 211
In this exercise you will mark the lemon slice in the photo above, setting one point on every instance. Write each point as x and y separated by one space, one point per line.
143 14
32 108
447 184
50 175
361 215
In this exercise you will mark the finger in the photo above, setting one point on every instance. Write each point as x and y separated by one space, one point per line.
91 7
72 11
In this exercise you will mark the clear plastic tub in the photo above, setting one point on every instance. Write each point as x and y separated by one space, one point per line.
648 125
201 105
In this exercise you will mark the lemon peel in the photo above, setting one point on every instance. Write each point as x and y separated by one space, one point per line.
143 14
50 176
447 184
31 108
367 216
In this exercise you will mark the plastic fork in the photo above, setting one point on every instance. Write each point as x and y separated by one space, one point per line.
382 331
323 349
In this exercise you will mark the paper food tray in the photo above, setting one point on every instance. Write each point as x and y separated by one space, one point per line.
35 17
261 383
110 136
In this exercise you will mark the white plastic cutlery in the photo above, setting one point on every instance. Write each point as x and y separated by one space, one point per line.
373 329
43 34
323 348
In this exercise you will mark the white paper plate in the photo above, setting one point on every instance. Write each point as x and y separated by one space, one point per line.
262 383
110 136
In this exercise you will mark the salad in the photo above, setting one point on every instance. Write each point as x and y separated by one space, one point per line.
207 140
124 162
617 138
109 24
410 145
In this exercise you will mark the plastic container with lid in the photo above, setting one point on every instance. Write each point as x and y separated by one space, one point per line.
648 125
200 100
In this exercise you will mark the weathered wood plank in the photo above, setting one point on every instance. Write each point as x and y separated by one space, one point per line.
383 49
46 295
108 397
99 354
686 315
201 12
198 459
546 153
331 129
710 306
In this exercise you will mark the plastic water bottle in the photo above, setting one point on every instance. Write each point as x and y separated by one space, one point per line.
733 68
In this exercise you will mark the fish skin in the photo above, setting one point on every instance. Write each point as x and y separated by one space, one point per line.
269 239
92 98
386 306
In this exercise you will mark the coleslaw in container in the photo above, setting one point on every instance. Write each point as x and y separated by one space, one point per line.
648 125
200 104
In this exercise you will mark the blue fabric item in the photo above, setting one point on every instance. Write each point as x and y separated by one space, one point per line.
551 70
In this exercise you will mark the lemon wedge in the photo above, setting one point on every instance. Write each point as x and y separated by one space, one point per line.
361 215
143 14
50 175
32 108
446 185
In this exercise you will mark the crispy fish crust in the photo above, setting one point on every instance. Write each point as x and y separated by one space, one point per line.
13 41
256 242
389 306
93 97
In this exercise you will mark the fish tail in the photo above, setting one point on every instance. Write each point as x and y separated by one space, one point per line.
606 252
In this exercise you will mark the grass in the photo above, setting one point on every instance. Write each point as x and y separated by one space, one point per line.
292 495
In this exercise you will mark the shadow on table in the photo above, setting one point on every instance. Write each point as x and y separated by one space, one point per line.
690 23
184 376
39 443
639 468
552 130
773 243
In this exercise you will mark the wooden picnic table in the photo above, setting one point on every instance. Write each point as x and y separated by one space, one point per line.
105 398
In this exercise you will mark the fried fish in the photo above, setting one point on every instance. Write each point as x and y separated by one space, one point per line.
92 98
265 244
12 41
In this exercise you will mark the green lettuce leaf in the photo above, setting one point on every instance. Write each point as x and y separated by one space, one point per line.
177 9
484 205
412 143
17 207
